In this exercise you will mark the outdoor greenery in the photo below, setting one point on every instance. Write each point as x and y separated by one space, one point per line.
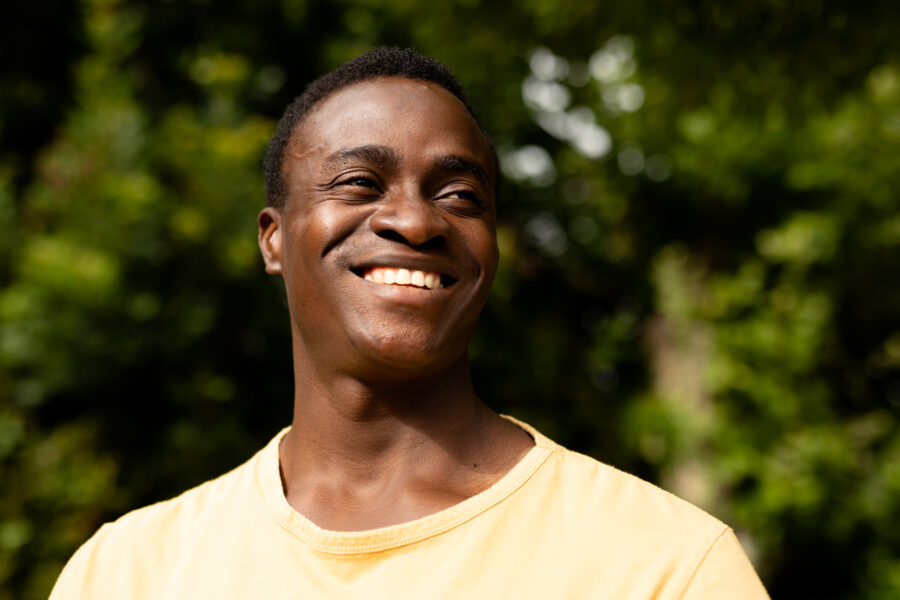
699 227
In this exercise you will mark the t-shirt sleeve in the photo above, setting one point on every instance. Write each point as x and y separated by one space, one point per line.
74 581
725 572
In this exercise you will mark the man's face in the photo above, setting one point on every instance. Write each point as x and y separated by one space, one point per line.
387 238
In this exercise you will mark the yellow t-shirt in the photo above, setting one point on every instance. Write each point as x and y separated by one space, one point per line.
558 525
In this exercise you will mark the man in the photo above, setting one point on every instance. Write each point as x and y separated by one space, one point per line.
394 479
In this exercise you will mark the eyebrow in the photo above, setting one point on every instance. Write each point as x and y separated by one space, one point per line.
386 157
379 155
456 164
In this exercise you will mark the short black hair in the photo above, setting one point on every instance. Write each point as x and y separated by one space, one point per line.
379 62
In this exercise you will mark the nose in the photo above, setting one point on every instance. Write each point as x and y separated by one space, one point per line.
410 218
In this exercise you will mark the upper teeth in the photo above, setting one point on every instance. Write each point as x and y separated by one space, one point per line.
391 276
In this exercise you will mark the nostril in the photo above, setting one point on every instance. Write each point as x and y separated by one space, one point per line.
392 235
428 243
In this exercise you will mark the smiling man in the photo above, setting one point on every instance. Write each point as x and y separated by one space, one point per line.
395 479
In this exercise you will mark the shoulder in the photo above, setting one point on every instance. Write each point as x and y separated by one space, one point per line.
624 492
585 489
148 539
188 509
634 529
625 502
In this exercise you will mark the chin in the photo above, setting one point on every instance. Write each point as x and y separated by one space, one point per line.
409 358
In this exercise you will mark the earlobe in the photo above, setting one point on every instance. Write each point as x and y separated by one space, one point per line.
270 239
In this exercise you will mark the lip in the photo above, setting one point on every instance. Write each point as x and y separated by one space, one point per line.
449 276
407 295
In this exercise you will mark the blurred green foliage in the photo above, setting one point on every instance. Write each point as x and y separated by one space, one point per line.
700 272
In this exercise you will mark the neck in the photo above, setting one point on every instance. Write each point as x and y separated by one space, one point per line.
362 454
358 423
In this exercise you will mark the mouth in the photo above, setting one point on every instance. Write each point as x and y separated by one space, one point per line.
403 277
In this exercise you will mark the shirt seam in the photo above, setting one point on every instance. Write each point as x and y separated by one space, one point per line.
295 526
706 554
339 548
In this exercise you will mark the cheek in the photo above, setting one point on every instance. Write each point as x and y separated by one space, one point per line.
314 236
483 247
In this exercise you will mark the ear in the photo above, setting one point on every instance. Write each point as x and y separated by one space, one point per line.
270 238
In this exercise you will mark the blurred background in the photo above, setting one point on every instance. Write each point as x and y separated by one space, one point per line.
700 237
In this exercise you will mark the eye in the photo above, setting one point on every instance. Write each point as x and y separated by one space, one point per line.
464 201
359 181
357 187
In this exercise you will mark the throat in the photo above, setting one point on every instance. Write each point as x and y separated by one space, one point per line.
339 508
379 461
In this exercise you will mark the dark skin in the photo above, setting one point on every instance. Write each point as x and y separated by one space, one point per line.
386 174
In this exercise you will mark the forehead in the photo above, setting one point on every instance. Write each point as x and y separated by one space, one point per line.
409 115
